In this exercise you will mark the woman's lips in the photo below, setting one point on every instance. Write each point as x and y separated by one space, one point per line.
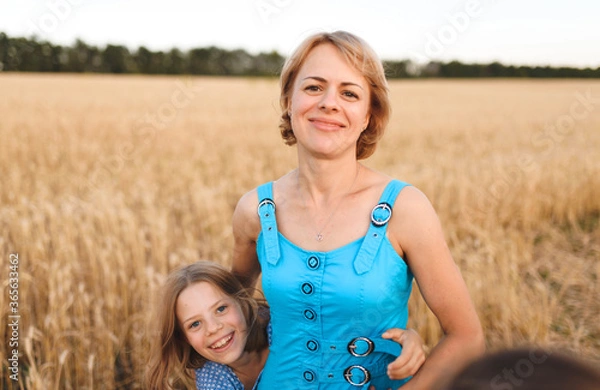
326 124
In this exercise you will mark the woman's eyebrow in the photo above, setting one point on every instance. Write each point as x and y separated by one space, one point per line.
321 79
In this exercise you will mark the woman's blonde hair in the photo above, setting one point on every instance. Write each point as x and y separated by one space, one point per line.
172 359
363 58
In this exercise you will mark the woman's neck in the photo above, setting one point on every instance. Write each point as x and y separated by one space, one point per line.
324 179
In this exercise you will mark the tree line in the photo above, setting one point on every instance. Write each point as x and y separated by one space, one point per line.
32 55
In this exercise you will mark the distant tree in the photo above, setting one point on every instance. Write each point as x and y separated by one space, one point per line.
267 64
17 53
398 69
3 50
143 60
174 62
77 57
237 62
198 61
116 59
32 55
432 69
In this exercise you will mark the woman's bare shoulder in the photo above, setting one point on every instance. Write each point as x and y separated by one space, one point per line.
245 216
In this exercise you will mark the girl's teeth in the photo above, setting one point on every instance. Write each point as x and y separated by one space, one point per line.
221 343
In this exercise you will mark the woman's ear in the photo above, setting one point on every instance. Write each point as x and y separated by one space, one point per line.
366 124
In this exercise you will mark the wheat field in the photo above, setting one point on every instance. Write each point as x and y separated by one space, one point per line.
109 182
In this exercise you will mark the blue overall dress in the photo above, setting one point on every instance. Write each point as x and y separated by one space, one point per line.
329 309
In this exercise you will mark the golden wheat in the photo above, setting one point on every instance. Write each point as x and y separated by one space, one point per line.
110 182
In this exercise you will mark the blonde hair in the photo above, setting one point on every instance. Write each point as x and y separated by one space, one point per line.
172 358
362 57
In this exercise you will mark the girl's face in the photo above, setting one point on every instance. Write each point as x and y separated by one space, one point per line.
329 103
212 322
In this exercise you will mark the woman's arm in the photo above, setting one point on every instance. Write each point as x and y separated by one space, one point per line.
246 227
417 235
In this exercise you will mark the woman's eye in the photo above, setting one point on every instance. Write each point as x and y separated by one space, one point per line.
350 94
313 88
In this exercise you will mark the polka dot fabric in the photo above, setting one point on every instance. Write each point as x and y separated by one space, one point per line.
215 376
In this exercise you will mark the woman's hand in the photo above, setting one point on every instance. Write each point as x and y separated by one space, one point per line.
412 356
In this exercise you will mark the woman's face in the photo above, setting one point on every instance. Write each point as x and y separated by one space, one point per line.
329 104
212 322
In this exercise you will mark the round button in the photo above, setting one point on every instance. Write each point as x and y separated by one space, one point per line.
313 262
312 345
307 288
310 314
309 376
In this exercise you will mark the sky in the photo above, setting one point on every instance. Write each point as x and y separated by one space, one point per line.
514 32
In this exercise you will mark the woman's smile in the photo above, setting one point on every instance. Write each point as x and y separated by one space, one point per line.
326 124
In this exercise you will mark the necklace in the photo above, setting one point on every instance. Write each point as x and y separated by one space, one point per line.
319 235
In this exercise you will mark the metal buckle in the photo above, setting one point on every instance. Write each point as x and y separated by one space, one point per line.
265 202
352 346
348 375
382 206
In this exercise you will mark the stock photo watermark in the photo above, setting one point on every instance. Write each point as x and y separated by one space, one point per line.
457 23
13 316
54 14
555 132
48 20
268 8
545 142
516 375
144 132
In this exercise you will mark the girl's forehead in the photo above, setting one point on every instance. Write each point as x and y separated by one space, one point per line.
201 290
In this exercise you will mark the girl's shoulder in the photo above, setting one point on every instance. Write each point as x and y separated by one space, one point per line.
216 376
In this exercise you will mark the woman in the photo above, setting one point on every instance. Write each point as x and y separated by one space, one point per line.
338 243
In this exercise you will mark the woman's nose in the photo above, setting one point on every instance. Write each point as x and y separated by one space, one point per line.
329 100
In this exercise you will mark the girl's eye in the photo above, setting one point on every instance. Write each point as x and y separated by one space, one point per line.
195 324
221 309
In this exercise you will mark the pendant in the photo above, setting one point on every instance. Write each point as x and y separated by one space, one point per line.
319 237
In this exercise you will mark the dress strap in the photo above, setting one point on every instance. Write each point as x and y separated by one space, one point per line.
380 216
268 222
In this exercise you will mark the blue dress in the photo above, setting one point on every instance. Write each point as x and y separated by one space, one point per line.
329 309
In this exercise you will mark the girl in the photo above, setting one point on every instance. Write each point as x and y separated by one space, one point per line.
208 323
